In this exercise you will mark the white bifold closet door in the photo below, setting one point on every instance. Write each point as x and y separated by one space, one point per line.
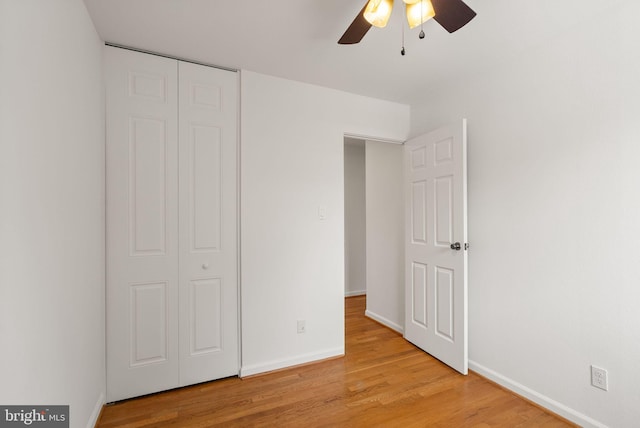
172 293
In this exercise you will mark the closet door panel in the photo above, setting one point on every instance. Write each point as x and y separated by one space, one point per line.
208 225
142 223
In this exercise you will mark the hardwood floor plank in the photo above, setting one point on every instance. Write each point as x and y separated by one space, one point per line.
382 381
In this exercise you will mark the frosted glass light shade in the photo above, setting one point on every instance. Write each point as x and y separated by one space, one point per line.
419 12
377 12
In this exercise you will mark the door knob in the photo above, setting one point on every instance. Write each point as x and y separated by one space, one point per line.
205 266
456 246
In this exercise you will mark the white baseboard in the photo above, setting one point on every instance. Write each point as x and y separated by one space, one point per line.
93 419
355 293
289 362
540 399
384 321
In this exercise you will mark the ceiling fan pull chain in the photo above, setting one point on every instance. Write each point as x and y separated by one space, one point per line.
421 35
402 51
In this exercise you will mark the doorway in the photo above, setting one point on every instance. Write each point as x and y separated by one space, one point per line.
355 243
374 228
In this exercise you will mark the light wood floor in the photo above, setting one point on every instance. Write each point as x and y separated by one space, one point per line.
383 381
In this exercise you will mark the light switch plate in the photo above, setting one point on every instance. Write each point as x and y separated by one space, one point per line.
322 212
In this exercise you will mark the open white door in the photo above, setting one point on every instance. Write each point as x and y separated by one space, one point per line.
436 244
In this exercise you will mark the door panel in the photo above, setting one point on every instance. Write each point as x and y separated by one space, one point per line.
142 220
208 238
418 211
419 314
205 322
444 303
148 324
147 186
443 211
205 188
436 278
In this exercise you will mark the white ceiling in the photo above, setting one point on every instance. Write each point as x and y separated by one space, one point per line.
297 40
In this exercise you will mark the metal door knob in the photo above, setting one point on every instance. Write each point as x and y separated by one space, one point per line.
456 246
205 266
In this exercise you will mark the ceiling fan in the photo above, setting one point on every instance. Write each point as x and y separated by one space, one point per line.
450 14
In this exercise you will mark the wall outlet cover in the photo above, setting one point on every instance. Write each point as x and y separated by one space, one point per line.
599 378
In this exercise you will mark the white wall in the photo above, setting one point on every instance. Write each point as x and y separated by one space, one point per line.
51 208
355 215
292 263
385 233
554 211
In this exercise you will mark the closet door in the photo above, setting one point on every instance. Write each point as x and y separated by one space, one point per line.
208 230
172 294
142 223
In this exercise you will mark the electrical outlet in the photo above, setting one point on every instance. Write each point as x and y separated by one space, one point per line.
599 378
302 328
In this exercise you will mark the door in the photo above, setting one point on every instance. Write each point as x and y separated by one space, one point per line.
435 244
171 223
142 223
208 232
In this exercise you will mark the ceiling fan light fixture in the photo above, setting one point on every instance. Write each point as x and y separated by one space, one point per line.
419 12
377 12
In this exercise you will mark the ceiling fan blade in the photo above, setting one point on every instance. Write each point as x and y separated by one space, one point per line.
452 14
356 30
